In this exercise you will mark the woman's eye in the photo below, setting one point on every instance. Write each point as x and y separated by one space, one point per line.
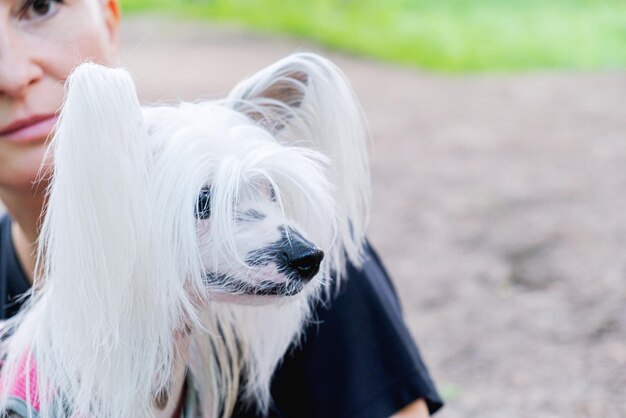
203 206
35 9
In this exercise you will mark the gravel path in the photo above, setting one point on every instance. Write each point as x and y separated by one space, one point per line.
499 209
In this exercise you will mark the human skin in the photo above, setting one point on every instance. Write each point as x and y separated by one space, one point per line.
41 41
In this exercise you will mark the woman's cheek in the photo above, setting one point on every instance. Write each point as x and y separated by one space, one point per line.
78 34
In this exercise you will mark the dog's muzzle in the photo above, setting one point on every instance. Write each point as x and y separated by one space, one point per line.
295 256
296 259
301 259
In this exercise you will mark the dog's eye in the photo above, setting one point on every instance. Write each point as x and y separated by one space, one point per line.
272 193
203 207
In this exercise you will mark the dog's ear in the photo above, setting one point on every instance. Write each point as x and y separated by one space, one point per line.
271 104
305 100
107 314
97 194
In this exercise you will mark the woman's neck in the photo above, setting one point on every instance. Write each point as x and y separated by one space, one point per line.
25 208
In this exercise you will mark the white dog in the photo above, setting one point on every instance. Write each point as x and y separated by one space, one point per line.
186 237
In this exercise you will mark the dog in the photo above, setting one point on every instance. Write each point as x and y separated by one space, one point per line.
191 237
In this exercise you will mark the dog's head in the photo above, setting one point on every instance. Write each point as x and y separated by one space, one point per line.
156 213
247 215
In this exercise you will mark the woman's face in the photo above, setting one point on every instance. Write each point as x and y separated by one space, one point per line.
41 41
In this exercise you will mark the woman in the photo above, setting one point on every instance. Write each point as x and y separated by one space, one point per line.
41 41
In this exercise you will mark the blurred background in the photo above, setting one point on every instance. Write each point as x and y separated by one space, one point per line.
499 167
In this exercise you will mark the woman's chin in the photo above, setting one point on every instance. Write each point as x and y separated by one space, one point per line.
21 167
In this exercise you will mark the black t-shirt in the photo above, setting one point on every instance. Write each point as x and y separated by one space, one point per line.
357 358
13 281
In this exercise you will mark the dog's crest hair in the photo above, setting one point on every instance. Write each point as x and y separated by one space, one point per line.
123 259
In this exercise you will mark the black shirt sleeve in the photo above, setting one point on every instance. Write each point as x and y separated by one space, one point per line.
357 359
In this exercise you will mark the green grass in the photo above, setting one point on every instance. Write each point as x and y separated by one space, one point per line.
440 35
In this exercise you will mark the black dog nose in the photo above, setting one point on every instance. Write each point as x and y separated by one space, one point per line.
305 262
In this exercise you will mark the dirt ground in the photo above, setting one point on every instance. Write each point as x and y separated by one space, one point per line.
500 206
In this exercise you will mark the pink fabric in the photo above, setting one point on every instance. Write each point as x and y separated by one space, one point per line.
19 387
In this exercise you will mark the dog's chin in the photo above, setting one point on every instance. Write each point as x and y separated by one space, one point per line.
224 288
251 300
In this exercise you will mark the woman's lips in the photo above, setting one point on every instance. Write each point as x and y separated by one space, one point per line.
34 128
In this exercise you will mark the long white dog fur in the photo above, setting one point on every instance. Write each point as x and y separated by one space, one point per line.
132 261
